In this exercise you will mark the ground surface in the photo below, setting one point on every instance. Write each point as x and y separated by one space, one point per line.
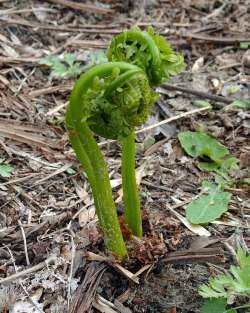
47 221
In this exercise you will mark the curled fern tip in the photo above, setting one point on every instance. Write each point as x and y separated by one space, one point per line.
149 51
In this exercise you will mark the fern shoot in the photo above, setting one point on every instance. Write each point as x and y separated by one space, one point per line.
110 100
103 101
154 55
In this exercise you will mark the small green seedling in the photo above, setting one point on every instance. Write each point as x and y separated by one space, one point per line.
234 89
225 288
244 45
213 201
62 67
202 103
235 283
5 169
111 99
216 306
98 57
242 104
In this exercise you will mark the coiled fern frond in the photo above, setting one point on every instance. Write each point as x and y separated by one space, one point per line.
110 100
149 51
118 102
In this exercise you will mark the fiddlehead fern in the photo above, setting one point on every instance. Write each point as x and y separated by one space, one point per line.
156 58
119 103
149 51
110 100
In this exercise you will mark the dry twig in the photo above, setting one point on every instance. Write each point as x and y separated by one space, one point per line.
201 94
86 292
25 243
28 271
82 7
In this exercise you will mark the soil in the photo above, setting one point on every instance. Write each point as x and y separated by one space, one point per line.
51 247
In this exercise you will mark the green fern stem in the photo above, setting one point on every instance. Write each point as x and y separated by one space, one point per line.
110 99
131 199
90 157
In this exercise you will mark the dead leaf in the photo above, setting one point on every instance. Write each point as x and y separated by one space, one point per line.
198 64
86 216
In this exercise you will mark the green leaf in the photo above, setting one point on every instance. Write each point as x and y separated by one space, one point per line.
73 70
208 166
147 142
6 170
230 164
98 57
244 45
242 104
70 171
207 186
69 58
202 103
246 181
49 60
199 144
67 67
59 69
208 292
234 89
214 306
208 207
235 283
223 182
